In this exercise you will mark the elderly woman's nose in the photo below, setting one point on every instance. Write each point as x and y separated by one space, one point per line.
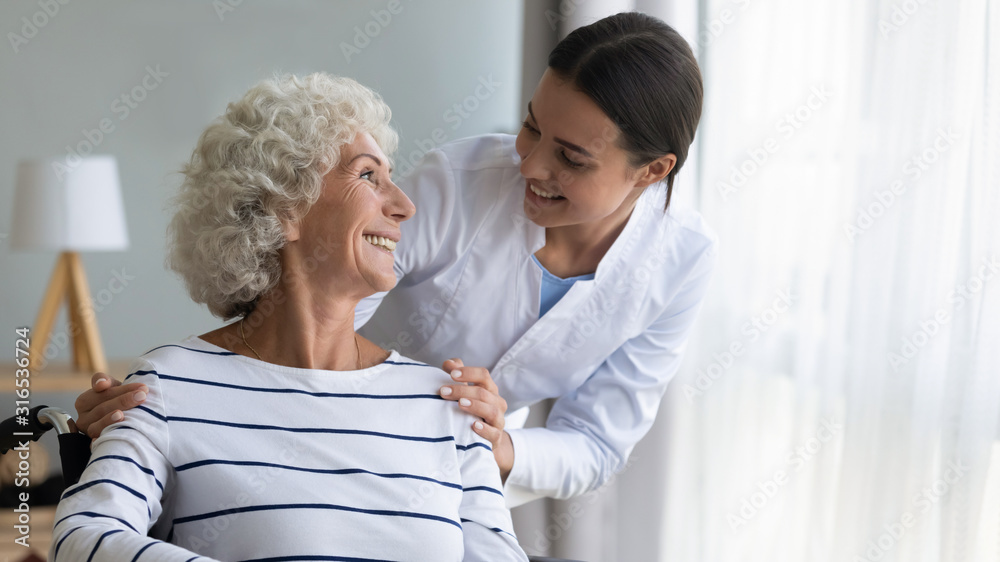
400 205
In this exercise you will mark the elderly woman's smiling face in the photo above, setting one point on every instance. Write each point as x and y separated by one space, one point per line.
352 229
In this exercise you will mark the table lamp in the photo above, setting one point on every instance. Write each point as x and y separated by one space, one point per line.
71 209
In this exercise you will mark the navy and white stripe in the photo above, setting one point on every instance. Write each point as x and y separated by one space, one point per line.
233 458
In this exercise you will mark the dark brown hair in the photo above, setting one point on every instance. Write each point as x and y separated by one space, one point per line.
644 76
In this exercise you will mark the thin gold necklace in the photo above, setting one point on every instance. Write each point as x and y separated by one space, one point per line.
246 343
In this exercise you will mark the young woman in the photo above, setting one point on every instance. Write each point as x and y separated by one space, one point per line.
551 263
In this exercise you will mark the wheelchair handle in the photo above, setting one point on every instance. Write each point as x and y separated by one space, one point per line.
57 418
39 420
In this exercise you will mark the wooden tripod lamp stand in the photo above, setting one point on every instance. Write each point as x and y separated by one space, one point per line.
69 205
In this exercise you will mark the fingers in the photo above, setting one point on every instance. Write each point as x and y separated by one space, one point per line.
452 364
474 375
101 382
94 406
478 401
95 429
490 410
112 388
488 432
479 396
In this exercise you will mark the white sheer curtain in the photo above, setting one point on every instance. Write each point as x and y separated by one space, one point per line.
841 400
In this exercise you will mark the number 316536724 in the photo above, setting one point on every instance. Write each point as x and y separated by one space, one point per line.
22 382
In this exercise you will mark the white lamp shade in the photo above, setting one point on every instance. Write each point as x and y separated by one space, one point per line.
69 208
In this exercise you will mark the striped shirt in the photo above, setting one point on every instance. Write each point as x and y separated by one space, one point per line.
232 458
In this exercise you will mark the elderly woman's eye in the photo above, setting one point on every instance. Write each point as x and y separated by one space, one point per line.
369 175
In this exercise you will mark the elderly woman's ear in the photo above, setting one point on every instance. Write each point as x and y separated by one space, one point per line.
291 230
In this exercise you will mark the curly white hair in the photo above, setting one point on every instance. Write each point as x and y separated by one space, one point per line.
255 168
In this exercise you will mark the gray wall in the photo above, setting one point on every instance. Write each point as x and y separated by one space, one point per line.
428 57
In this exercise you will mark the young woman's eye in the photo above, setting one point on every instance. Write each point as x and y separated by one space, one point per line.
528 126
569 162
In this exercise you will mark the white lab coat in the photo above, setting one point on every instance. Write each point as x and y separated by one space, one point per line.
468 288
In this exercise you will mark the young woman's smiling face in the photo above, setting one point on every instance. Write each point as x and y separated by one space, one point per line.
575 171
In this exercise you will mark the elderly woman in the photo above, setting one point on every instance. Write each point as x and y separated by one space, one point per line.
286 435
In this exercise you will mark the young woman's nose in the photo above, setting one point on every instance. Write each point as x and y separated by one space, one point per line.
534 166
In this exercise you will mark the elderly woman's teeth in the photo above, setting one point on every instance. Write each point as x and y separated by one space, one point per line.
381 242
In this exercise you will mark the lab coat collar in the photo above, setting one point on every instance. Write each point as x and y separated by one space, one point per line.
637 230
534 235
647 208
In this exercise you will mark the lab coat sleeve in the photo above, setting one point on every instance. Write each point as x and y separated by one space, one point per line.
431 186
367 307
590 432
107 515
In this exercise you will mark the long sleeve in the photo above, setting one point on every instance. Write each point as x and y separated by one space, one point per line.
108 514
591 431
486 524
